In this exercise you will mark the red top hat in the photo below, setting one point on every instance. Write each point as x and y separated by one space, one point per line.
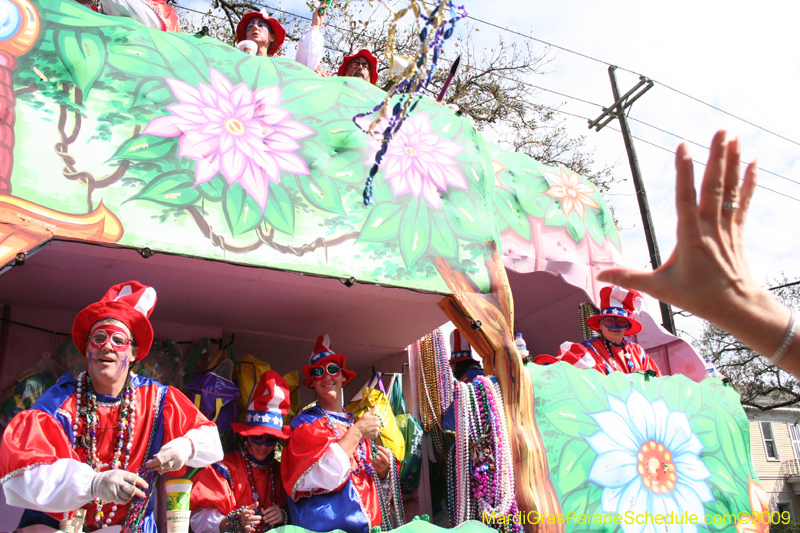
274 25
131 303
460 350
618 302
371 59
270 403
321 356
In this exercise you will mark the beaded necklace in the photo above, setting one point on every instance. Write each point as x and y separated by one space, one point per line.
436 387
628 359
249 464
126 421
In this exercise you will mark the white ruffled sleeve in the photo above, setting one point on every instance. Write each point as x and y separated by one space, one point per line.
135 9
206 520
309 48
328 474
207 446
54 488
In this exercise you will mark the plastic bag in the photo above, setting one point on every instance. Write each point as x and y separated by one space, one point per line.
246 373
23 392
390 434
396 397
200 355
293 380
412 462
215 395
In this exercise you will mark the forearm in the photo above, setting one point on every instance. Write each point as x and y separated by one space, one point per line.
757 319
207 446
350 441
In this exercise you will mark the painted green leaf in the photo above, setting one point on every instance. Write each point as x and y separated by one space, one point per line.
347 166
721 476
212 190
442 238
446 126
84 54
570 418
553 216
382 224
173 188
706 430
241 212
414 232
144 148
534 204
280 211
257 72
322 192
180 49
510 212
730 440
576 228
574 466
134 59
592 397
151 92
311 96
357 95
342 134
593 226
464 218
574 504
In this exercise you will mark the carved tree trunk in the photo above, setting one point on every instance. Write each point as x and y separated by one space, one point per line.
494 341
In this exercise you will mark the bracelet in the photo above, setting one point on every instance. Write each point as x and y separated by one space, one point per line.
787 340
235 521
285 516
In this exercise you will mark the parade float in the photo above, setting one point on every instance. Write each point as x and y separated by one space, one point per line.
235 186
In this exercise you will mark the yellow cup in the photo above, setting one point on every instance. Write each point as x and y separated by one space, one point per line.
179 493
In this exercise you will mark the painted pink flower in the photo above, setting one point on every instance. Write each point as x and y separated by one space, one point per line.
241 133
573 193
421 162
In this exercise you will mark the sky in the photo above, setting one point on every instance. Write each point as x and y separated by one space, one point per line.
742 57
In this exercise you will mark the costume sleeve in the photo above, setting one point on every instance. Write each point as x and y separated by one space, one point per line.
328 474
646 362
182 419
206 520
313 452
573 353
212 491
309 47
59 487
154 14
33 437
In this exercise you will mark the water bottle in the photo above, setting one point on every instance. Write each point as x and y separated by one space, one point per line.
711 370
520 344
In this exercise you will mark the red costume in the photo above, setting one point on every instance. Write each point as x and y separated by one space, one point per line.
327 488
617 304
50 458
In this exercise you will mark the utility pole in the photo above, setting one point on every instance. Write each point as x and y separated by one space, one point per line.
617 110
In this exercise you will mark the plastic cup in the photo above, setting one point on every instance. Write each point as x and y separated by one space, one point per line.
179 493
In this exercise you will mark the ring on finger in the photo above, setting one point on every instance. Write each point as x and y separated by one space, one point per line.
730 206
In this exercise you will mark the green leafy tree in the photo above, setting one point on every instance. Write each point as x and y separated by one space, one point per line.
760 385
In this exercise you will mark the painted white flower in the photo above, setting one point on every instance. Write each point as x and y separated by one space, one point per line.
648 462
241 133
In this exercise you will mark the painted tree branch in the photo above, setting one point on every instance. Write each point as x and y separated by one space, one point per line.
487 321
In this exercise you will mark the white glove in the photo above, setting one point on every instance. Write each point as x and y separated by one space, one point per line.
173 455
118 486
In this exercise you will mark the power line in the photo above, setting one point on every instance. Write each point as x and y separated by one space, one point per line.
529 37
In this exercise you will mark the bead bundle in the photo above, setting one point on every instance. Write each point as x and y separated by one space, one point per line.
393 513
435 388
235 521
482 476
439 23
138 507
125 427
